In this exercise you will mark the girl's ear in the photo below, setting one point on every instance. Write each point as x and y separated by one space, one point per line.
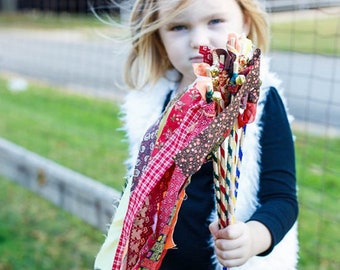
246 25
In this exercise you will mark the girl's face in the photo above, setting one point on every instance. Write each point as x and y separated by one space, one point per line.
201 23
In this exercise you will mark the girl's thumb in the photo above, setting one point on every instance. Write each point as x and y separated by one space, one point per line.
213 227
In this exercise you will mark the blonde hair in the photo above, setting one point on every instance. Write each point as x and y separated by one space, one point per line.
147 61
259 31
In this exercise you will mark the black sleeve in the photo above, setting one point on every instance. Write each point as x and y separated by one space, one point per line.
277 193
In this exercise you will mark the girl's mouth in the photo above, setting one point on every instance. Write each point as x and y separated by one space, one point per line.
196 59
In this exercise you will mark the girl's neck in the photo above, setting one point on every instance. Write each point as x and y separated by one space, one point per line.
180 82
183 84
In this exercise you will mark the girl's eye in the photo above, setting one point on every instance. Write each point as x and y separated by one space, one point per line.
215 21
178 28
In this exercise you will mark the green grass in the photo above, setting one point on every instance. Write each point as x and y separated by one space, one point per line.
75 131
34 234
309 36
81 133
48 20
318 178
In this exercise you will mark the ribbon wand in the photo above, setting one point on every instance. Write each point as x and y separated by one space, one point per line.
227 158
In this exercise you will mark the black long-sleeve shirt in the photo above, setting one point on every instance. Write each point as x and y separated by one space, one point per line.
277 195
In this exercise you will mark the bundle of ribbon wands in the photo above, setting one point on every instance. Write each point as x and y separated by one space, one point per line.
227 71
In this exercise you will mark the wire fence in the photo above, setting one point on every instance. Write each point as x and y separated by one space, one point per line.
311 82
89 63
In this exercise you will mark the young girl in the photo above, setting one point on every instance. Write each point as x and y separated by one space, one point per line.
166 36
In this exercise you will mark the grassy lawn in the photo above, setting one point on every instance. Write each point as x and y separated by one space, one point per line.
318 179
34 234
308 36
40 20
77 132
81 133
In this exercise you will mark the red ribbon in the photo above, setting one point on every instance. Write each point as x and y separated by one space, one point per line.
248 116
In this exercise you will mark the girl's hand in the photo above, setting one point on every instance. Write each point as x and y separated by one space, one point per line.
235 244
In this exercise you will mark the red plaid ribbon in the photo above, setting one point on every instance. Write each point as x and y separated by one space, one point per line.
159 165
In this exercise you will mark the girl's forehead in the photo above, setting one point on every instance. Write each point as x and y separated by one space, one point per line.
180 7
166 6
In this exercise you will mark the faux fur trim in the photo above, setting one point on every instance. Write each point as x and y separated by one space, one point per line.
141 108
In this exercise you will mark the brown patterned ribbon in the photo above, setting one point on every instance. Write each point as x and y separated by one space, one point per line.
191 158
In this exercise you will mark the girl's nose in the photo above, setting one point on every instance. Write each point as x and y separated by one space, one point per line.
198 37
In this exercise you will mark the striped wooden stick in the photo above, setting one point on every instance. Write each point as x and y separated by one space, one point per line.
241 135
231 165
